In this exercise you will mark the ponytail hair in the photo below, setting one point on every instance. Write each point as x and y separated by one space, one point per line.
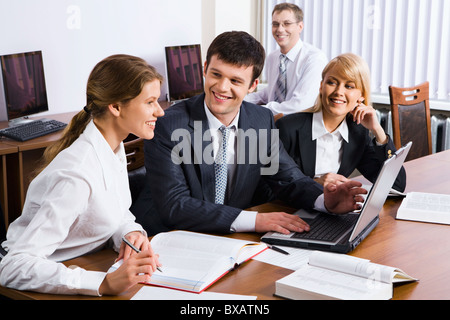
116 79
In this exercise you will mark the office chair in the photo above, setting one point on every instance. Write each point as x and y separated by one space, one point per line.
411 119
134 149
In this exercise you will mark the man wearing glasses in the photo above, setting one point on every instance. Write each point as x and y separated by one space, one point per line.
295 70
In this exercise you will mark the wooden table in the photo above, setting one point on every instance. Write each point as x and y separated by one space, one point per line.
420 249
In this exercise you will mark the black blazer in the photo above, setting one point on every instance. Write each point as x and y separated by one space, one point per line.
181 196
361 151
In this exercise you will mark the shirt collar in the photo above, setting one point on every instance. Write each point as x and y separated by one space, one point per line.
293 53
215 124
319 130
112 162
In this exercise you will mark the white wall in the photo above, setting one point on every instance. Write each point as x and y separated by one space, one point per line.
227 15
76 34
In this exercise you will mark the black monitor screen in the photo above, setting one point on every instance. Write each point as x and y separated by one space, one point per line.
184 71
24 84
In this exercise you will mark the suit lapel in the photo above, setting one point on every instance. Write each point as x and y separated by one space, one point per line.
307 148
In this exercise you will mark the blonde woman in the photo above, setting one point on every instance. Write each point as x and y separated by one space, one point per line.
79 202
333 138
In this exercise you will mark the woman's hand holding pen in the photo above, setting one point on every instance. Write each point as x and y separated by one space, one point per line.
138 240
137 266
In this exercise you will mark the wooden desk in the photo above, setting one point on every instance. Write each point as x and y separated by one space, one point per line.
21 163
420 249
5 151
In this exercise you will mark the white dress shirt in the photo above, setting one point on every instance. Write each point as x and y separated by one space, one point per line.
246 220
304 74
329 146
76 205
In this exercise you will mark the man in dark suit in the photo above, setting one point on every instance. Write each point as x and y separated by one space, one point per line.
183 170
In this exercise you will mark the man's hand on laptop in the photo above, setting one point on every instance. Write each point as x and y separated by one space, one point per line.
345 197
280 222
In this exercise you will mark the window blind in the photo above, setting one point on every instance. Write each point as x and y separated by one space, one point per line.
405 42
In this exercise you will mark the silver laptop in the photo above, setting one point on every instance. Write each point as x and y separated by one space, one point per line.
342 233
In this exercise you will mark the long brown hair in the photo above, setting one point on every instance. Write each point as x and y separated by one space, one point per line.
118 78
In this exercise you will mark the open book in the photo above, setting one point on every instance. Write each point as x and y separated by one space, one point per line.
425 207
339 276
193 261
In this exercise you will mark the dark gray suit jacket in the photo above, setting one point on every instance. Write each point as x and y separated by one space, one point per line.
181 196
361 152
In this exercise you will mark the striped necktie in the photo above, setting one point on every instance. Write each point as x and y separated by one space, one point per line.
221 167
281 87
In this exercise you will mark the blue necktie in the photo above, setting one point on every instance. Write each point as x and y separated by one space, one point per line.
281 87
221 167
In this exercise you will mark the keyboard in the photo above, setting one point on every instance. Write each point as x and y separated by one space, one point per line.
328 228
31 130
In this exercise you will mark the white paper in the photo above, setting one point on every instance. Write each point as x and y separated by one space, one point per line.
296 258
158 293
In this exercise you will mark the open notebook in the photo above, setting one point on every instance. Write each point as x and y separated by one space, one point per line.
193 261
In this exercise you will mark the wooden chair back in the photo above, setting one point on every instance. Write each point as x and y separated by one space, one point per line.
411 119
134 150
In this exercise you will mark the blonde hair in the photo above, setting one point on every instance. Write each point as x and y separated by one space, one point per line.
351 67
118 78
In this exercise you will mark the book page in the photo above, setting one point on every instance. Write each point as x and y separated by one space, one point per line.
188 270
352 265
425 207
312 282
197 242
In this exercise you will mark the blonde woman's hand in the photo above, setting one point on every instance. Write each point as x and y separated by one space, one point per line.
366 116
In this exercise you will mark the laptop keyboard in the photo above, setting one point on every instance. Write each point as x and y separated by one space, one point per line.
328 227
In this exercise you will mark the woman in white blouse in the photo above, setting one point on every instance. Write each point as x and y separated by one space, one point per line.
79 202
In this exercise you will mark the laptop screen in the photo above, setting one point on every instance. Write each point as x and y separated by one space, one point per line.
380 190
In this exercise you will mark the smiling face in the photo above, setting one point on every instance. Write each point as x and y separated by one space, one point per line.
286 29
339 95
139 115
226 86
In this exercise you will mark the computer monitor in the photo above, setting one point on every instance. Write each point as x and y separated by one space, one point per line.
184 71
24 85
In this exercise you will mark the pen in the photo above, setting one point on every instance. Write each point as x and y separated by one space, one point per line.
135 249
278 249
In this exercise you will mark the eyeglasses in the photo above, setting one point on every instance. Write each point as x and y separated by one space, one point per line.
285 24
